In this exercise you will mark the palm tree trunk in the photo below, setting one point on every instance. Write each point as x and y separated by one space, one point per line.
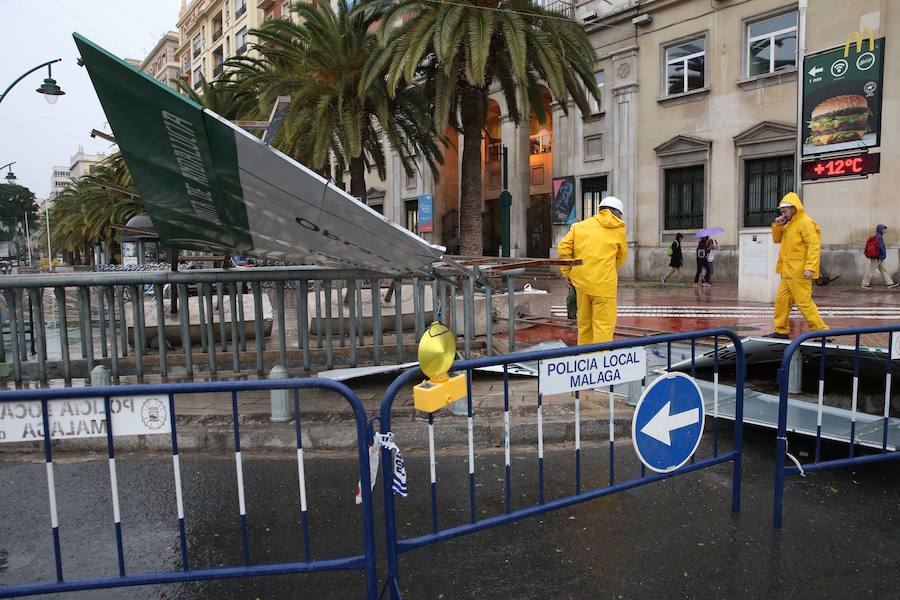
358 178
472 108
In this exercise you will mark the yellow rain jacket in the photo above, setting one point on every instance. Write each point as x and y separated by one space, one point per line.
800 240
600 243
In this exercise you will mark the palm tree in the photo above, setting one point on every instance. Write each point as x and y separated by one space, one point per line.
462 49
222 96
88 208
319 63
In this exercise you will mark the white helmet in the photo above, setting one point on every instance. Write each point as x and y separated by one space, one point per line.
612 202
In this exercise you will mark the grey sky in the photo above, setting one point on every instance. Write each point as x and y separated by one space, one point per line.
32 132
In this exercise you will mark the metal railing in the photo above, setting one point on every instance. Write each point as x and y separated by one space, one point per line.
439 532
830 426
60 326
157 402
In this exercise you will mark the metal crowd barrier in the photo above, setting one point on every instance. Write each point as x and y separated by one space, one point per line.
397 545
162 400
44 339
849 433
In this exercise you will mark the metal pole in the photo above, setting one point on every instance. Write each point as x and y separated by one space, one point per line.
184 317
236 345
28 239
37 295
375 288
303 320
279 315
113 340
14 332
161 328
801 54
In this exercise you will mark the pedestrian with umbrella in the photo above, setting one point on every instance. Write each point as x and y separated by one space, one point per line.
702 254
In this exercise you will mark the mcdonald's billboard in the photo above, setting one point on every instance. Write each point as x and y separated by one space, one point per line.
842 96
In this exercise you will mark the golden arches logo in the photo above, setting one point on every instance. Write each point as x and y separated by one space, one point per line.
859 38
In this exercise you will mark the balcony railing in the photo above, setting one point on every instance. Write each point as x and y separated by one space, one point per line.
241 10
241 49
217 34
217 70
197 51
558 6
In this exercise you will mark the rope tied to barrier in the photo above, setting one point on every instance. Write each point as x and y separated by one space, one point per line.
792 457
398 485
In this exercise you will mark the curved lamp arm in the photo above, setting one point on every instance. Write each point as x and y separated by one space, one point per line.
27 73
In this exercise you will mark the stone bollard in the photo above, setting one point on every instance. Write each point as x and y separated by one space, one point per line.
460 407
100 376
281 408
795 377
634 393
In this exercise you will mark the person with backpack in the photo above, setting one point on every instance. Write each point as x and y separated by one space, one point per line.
676 260
876 253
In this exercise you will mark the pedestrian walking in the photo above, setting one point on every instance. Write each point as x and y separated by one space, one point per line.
676 260
712 250
798 264
876 252
601 245
701 262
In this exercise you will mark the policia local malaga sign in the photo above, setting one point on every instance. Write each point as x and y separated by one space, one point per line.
842 96
586 371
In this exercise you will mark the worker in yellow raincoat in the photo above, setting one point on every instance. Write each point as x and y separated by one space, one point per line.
798 264
600 244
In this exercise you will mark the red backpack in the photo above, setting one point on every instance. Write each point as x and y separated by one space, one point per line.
872 249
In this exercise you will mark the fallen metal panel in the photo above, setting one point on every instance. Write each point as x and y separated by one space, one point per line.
209 185
762 409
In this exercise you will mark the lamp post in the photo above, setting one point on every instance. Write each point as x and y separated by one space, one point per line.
49 88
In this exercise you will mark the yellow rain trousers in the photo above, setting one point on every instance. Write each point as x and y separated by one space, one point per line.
801 241
601 245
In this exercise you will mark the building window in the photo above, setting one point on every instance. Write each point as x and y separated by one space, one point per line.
601 82
412 215
196 78
593 190
685 66
541 142
772 44
240 40
198 45
410 180
593 147
766 181
379 208
684 198
240 7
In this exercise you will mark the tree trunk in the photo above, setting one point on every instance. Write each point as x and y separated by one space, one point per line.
358 178
472 102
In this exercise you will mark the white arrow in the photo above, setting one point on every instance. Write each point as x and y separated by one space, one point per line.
815 71
664 422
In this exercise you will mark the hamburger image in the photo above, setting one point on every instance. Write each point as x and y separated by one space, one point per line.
839 119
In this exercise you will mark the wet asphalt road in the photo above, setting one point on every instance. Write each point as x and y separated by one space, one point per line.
674 539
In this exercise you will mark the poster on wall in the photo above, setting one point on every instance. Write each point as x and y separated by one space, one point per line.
842 96
564 200
426 213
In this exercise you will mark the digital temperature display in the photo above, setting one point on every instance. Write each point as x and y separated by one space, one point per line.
846 166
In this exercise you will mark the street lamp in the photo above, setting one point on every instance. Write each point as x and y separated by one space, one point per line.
49 88
10 176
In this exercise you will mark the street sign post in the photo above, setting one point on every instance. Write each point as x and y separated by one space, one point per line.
668 422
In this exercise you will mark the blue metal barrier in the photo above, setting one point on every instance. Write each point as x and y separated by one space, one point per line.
783 377
397 546
364 562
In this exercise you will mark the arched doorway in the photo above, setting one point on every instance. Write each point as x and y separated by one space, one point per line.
541 171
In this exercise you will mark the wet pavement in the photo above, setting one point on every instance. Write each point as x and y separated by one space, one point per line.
673 539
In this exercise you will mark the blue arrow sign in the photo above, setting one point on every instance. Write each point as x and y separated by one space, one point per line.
668 422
